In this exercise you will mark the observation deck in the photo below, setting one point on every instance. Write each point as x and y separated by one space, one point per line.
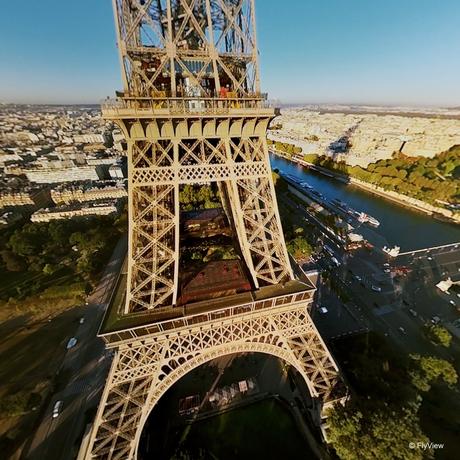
171 107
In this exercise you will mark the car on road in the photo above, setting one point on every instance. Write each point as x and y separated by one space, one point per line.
71 343
82 320
402 330
376 288
57 408
323 310
452 303
387 270
430 258
357 278
435 319
335 262
412 312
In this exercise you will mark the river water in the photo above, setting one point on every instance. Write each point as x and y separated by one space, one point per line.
399 225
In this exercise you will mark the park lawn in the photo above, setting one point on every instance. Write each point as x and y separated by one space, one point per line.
10 280
440 419
264 429
59 294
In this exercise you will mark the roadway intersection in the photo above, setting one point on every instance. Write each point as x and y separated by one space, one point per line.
380 295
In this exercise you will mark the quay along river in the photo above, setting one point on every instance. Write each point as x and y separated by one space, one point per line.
399 225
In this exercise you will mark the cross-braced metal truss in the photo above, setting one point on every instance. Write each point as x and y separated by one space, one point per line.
187 47
162 157
183 126
143 371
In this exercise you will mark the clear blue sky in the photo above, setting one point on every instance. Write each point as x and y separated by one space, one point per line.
356 51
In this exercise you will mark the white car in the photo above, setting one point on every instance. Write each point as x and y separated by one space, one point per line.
323 310
71 343
57 408
335 262
82 320
402 330
452 303
430 258
376 288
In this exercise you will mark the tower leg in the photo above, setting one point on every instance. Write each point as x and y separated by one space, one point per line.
142 371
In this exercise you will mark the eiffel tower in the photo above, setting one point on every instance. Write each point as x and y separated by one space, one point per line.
193 116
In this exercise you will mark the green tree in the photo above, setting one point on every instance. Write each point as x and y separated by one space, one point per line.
368 431
28 241
439 335
49 269
18 403
299 248
13 262
310 158
428 370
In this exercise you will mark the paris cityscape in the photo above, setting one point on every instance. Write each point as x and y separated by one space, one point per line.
223 237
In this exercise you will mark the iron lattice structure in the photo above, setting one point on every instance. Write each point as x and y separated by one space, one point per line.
208 42
144 370
192 112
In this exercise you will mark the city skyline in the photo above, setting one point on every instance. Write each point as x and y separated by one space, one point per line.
396 54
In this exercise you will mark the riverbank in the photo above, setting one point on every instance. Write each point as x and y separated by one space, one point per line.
403 200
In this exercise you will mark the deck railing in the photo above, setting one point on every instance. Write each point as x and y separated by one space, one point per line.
180 105
127 335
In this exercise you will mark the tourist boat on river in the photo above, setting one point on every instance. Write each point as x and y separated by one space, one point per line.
367 219
360 216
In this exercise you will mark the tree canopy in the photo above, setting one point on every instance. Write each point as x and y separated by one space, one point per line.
433 180
367 432
429 369
439 335
76 248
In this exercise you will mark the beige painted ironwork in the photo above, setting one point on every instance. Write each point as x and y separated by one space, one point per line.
143 370
192 112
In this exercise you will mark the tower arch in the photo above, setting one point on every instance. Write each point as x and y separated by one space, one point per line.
277 351
143 370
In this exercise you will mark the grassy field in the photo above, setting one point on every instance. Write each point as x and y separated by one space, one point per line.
262 430
52 301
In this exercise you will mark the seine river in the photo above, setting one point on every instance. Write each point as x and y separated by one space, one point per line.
399 226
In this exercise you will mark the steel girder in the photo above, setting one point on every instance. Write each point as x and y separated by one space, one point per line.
164 155
144 370
160 39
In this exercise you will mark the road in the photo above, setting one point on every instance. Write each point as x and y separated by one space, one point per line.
387 307
83 376
405 303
